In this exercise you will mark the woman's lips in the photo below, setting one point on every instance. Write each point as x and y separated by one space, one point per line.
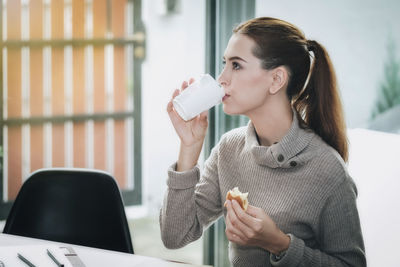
225 97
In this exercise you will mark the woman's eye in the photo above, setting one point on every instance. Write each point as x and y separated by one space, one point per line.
223 62
235 65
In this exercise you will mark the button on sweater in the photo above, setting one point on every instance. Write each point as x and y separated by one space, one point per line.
300 182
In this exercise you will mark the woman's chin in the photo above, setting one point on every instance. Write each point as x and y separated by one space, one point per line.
229 111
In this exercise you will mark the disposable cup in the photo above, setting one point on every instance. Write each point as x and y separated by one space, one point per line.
199 96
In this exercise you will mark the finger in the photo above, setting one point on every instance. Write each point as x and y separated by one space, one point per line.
236 239
230 227
173 115
247 222
175 94
254 211
239 227
250 227
231 233
204 115
231 220
170 104
202 119
184 85
170 107
191 80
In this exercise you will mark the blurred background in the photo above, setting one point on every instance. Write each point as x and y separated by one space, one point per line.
85 83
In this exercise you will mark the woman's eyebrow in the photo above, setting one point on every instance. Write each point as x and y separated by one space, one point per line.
236 58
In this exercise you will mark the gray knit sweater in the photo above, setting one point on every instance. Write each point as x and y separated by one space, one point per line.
300 182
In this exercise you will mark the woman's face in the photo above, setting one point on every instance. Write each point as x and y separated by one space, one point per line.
245 82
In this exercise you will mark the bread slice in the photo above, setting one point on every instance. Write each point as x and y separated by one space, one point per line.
240 197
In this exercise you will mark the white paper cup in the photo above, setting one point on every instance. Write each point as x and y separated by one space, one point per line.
201 95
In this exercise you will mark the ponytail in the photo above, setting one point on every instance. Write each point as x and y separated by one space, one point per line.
319 103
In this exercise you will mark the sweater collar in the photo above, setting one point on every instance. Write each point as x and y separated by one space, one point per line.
285 153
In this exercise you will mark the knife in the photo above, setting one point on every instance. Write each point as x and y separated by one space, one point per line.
73 258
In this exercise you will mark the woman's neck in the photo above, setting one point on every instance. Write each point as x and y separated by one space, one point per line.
272 123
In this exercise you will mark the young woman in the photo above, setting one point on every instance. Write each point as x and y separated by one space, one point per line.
290 158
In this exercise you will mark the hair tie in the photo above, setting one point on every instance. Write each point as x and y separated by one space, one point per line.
310 45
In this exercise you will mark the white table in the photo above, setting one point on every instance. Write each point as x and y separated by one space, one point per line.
93 256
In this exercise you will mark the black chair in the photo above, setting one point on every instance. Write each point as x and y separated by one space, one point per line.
77 206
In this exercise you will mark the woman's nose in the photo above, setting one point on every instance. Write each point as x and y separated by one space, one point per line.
221 78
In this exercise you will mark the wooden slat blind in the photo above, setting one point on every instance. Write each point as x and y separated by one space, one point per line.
92 81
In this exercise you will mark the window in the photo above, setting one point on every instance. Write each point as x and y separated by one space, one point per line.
70 90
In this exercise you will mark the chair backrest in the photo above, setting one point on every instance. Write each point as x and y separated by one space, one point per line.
77 206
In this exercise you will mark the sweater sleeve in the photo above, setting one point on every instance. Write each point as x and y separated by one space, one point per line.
341 242
190 203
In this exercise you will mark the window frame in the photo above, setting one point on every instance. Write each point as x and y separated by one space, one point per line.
221 17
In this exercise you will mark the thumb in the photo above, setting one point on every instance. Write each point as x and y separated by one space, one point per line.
204 118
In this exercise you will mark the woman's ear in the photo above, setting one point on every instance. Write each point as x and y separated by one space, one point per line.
280 77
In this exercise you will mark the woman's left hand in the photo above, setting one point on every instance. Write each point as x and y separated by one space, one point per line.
254 228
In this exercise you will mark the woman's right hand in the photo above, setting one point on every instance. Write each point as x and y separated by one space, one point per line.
191 133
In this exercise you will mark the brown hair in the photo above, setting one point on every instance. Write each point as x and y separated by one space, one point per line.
317 103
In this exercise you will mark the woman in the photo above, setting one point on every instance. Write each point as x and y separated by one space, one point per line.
290 158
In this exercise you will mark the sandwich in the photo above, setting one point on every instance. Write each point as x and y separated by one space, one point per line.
240 197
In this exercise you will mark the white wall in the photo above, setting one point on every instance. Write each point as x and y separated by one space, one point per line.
355 34
175 52
374 166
